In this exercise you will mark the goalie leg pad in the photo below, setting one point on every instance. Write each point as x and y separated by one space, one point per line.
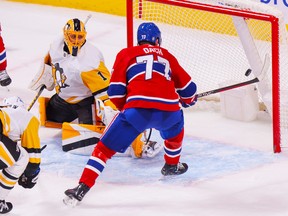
137 147
42 109
80 138
43 101
104 113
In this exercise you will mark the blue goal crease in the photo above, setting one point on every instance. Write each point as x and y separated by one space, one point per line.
206 159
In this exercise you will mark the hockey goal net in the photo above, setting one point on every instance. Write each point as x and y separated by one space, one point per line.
217 41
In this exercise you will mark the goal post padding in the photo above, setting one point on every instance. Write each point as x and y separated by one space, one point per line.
216 41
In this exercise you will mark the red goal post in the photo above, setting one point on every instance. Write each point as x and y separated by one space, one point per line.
250 30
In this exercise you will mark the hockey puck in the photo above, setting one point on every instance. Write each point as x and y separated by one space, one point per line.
248 72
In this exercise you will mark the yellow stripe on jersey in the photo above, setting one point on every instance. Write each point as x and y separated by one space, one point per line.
34 160
5 119
97 80
5 155
72 100
31 142
7 182
104 70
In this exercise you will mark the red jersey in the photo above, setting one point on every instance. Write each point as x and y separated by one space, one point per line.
149 76
3 61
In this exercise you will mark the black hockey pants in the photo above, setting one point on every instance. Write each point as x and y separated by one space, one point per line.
58 110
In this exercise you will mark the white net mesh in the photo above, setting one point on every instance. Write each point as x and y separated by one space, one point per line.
209 47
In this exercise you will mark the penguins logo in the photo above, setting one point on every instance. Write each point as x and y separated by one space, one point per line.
59 78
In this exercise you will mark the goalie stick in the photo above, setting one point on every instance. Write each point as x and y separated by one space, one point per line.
33 101
258 78
87 19
36 97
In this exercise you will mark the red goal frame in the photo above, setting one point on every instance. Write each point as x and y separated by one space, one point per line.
235 12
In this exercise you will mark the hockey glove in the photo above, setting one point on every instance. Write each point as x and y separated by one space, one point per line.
29 181
43 77
186 105
183 104
5 79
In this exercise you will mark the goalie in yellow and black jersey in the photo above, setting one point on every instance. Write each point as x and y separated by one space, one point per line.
75 68
20 153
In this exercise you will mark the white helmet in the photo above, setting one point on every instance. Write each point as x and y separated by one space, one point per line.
13 102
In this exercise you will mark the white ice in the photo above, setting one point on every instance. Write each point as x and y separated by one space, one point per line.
232 167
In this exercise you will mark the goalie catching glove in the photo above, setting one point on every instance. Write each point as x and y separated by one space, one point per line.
29 180
43 78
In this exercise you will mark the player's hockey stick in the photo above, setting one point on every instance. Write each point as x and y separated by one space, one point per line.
262 74
260 77
36 97
147 139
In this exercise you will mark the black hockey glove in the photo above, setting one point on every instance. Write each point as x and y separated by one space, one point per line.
29 181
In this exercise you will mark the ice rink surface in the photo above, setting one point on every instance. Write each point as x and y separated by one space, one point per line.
232 168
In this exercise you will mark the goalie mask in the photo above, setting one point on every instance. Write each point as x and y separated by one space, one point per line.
74 35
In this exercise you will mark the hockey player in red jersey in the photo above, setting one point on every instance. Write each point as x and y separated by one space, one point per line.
5 80
147 85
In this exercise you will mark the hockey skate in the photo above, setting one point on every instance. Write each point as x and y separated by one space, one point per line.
75 195
177 169
5 207
5 80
